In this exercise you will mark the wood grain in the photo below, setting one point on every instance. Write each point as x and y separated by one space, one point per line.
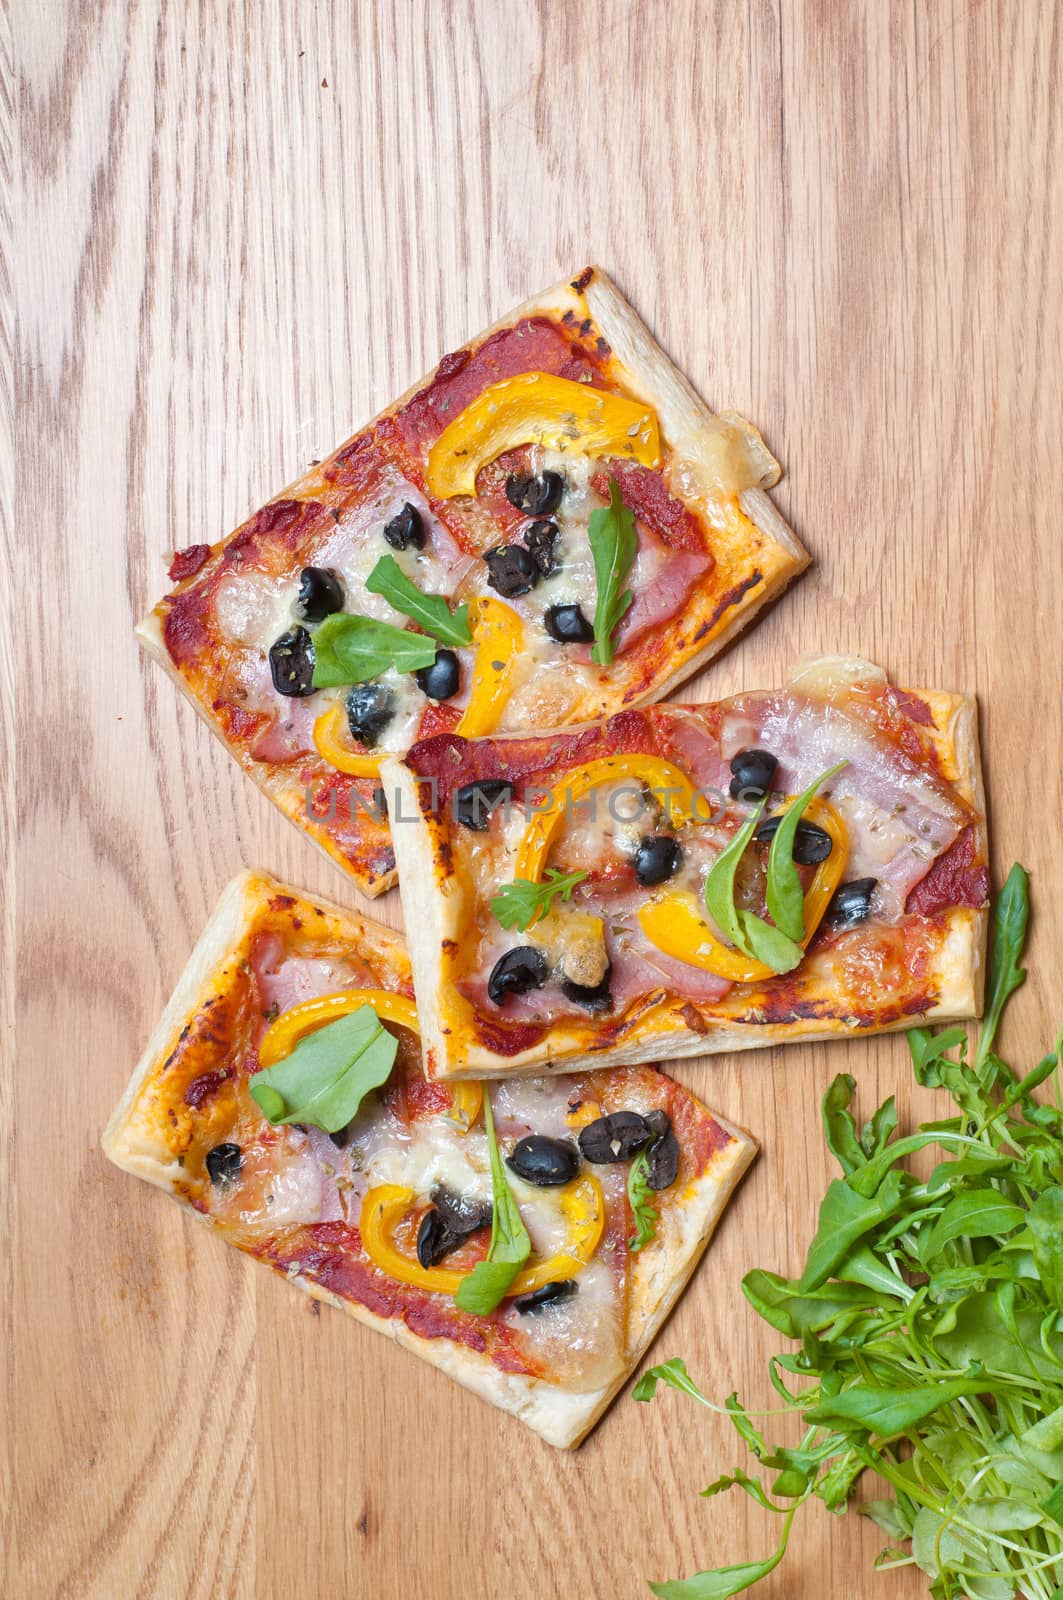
237 230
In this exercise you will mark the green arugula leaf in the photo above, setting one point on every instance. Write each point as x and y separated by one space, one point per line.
888 1412
614 543
839 1125
1021 1091
977 1214
328 1074
786 898
975 1330
719 891
862 1265
510 1246
877 1133
674 1373
741 1480
1048 1433
929 1051
844 1217
1046 1225
431 611
748 933
889 1516
350 649
1054 1506
768 944
956 1171
522 902
641 1198
836 1483
866 1180
793 1313
725 1581
743 1427
1010 917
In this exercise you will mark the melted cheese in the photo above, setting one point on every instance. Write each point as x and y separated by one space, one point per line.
436 1152
726 457
253 608
358 544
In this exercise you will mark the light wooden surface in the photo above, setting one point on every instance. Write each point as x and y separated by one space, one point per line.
237 231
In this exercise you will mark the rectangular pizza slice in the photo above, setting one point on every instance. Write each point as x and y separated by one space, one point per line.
804 863
529 1238
551 527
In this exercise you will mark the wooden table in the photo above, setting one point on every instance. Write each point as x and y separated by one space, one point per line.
238 230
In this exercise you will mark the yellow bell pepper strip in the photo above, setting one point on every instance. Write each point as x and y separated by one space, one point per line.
582 1205
654 773
675 923
282 1036
330 744
537 408
587 1112
583 1208
466 1103
498 635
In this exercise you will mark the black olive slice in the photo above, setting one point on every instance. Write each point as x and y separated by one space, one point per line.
751 774
546 1162
516 972
541 538
223 1164
568 625
550 1294
511 570
434 1239
370 707
320 594
662 1157
656 858
595 996
851 903
442 678
463 1214
812 844
537 494
616 1137
291 663
405 528
474 802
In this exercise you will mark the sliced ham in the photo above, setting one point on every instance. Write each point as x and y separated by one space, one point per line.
287 980
331 1164
661 589
687 738
290 735
247 683
639 967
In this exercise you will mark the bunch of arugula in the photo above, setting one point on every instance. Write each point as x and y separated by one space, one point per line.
930 1317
